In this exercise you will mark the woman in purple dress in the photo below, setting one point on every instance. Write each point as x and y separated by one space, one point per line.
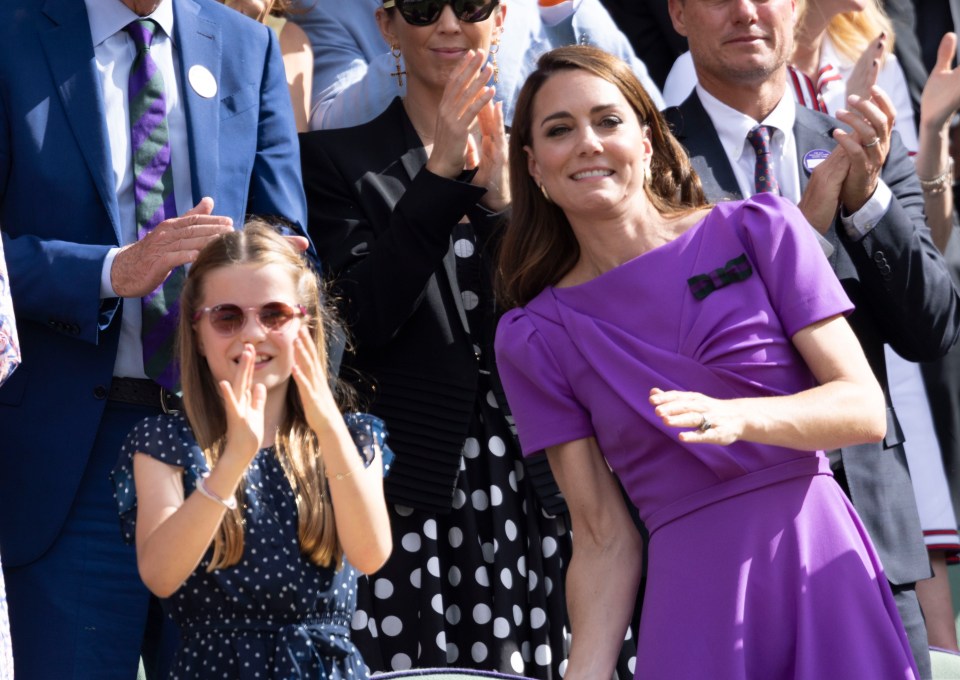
701 357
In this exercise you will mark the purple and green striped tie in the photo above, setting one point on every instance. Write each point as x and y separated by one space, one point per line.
153 198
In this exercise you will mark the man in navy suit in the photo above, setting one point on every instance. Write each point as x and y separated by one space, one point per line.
858 189
77 271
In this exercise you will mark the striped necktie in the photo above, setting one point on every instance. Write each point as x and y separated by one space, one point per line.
765 181
153 198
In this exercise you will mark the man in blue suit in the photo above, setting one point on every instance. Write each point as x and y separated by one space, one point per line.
77 271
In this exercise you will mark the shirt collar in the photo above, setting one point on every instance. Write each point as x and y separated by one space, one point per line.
109 17
732 125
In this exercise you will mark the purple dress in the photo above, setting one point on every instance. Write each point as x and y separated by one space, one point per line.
758 565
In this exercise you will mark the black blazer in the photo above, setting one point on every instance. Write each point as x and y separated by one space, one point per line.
903 296
381 223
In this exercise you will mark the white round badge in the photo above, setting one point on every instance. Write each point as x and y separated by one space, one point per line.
202 81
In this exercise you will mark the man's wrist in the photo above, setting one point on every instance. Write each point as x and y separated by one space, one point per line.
860 222
106 275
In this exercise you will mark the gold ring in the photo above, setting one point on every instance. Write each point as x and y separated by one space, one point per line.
876 140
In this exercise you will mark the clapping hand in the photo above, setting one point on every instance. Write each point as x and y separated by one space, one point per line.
867 146
244 404
493 173
310 375
821 199
867 69
463 98
941 94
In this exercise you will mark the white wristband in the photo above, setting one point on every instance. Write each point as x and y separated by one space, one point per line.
228 503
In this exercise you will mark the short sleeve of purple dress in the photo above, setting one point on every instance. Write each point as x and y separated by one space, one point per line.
758 565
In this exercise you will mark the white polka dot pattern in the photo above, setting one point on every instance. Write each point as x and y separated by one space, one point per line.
235 620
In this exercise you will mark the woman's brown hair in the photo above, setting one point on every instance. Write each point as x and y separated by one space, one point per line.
296 445
538 245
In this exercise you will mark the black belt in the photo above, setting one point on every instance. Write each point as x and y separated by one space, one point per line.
145 392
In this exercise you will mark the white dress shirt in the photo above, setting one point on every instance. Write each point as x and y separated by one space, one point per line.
115 51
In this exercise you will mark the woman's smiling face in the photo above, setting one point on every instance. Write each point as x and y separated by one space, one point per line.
588 148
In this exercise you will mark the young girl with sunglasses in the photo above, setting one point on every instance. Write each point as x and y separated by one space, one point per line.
256 506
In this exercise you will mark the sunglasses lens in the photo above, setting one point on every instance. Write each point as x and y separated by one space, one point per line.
425 12
473 11
226 319
421 12
275 315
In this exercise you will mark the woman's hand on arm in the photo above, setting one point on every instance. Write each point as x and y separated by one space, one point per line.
172 533
604 572
847 407
463 98
356 492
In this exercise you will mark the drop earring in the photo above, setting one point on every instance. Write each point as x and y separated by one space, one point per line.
543 190
398 73
494 49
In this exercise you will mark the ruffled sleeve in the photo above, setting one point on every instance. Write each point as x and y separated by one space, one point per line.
167 438
370 435
783 247
543 404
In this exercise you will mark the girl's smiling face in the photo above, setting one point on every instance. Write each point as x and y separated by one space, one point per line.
249 286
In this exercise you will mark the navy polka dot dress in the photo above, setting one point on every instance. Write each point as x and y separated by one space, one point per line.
274 614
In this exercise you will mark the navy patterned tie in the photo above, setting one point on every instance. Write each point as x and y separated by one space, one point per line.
153 198
763 178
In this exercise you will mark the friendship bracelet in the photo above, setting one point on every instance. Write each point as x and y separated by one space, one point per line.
938 184
228 503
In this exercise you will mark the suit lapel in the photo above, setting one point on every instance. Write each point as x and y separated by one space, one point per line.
199 46
811 132
693 128
69 50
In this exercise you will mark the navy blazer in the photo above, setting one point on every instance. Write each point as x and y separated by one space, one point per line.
903 296
59 216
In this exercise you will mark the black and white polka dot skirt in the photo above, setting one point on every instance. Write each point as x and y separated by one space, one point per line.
480 587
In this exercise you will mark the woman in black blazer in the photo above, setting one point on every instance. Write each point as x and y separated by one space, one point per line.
403 210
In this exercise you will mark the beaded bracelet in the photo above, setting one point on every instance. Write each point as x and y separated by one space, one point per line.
228 503
938 184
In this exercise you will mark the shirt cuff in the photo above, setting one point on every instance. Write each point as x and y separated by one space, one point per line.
825 245
106 285
860 223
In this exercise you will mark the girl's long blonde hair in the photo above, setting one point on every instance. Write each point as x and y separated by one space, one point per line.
296 444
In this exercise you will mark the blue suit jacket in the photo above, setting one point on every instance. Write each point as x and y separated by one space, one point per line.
903 296
59 216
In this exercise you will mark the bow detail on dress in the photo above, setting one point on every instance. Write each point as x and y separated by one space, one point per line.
736 270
